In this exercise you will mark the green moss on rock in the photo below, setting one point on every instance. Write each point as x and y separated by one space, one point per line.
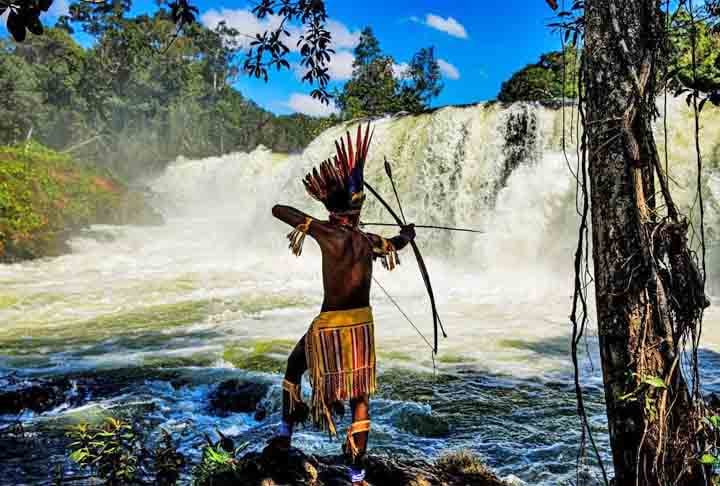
265 356
141 328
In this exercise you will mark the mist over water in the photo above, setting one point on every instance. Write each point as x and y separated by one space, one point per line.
128 297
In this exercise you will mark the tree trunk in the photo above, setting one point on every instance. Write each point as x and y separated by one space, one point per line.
651 414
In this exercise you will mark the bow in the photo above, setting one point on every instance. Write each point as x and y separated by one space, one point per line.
437 323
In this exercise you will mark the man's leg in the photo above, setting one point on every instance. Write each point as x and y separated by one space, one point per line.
358 438
293 409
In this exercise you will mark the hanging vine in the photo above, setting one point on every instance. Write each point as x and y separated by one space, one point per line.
675 276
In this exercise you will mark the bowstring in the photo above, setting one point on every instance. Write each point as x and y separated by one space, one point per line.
407 318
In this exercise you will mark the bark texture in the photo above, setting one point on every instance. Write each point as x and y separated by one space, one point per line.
652 427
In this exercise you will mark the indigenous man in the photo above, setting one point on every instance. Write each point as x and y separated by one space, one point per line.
339 348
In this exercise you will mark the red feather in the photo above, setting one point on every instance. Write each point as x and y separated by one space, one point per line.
366 146
359 144
343 155
351 154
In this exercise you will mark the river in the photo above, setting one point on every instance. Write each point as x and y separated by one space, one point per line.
214 294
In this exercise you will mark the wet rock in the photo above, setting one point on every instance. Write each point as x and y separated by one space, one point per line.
43 394
237 396
713 401
36 395
114 382
260 413
297 468
423 424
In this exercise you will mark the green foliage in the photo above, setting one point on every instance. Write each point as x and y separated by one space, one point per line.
372 91
140 96
706 75
645 387
424 78
219 462
110 451
24 15
367 50
711 455
19 85
168 461
44 195
544 80
269 49
375 89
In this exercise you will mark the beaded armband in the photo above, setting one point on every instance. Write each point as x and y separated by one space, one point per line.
387 253
297 236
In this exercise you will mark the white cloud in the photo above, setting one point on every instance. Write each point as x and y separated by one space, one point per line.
448 70
400 69
58 8
341 35
449 25
248 25
307 105
340 67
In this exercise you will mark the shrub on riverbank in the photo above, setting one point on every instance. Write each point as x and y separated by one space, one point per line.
45 196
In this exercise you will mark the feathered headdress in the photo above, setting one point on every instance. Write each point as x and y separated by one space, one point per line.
338 182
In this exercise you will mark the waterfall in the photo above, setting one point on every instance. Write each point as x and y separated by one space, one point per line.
498 168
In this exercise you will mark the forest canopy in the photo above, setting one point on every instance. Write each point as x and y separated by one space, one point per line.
150 88
548 80
141 95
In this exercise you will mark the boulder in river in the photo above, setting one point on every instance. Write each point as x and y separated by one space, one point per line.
713 401
36 395
238 396
423 424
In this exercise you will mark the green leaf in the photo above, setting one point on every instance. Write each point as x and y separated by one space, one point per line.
709 460
654 381
79 456
715 421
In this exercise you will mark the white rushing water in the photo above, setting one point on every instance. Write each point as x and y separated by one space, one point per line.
218 274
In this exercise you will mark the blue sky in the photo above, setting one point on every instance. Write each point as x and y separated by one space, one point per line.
480 44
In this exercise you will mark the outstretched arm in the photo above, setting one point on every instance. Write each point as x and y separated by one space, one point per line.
294 217
407 234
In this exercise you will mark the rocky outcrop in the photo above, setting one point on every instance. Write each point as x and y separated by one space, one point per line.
39 396
255 469
237 396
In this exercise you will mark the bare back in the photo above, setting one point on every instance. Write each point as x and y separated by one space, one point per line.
347 258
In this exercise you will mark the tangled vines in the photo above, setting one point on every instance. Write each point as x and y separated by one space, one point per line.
669 275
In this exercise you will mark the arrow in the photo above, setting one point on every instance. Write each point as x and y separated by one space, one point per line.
425 226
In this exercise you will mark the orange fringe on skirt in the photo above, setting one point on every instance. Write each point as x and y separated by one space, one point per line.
340 352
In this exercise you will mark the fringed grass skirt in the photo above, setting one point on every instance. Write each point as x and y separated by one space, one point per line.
340 351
